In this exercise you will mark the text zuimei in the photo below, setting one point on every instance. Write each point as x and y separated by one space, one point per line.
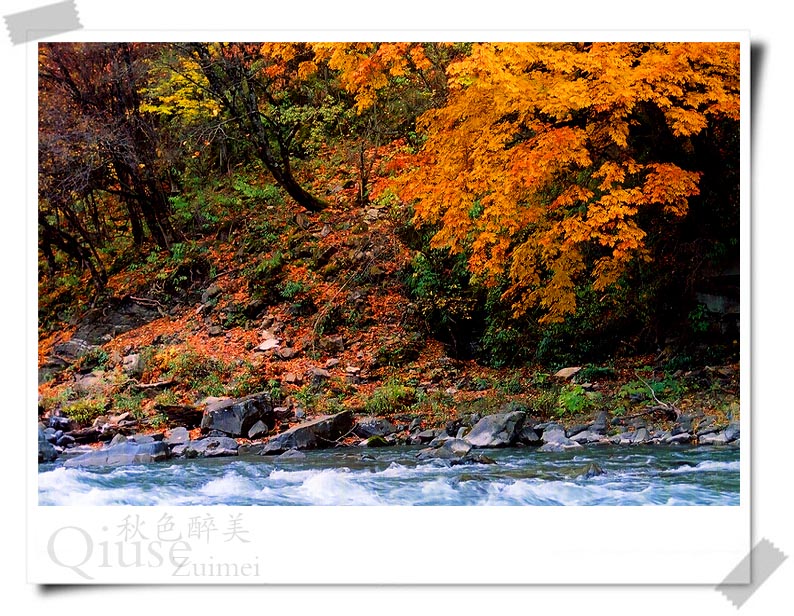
213 569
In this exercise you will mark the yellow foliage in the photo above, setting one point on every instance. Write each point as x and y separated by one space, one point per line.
539 135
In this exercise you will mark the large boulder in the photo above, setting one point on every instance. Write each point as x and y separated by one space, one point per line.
315 434
588 436
501 430
47 451
601 423
374 426
236 417
716 438
554 439
210 447
123 453
178 436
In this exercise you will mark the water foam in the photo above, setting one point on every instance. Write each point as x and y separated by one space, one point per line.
705 466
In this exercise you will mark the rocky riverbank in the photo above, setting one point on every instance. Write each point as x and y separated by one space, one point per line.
253 425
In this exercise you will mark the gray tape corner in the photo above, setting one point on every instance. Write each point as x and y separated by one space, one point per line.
43 21
761 562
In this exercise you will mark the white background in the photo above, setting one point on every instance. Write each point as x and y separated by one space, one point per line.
772 214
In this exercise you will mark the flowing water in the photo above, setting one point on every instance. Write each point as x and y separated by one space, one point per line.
641 475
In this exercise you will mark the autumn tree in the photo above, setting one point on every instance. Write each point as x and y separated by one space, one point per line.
260 87
559 167
389 86
97 151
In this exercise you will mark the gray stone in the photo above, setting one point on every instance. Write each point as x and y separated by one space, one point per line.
117 440
250 449
567 373
681 438
500 430
73 349
732 431
122 454
529 436
211 291
452 449
415 424
640 436
211 447
575 430
718 438
258 430
661 436
425 436
132 365
373 426
601 424
73 452
473 458
142 438
236 417
283 412
624 438
47 451
291 454
684 424
268 345
462 431
178 436
50 434
316 434
637 423
590 471
587 437
57 422
441 437
554 434
706 425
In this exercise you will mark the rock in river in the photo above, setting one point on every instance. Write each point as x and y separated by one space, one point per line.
47 452
374 426
123 453
210 447
452 449
315 434
500 430
236 417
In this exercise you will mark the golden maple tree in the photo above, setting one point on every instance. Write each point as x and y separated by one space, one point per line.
543 161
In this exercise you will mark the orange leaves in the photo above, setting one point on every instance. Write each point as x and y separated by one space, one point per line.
366 68
543 141
671 187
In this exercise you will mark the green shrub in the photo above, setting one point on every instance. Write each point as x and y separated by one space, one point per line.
96 358
573 400
85 410
392 397
126 402
202 373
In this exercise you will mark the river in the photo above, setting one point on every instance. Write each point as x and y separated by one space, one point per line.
640 475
